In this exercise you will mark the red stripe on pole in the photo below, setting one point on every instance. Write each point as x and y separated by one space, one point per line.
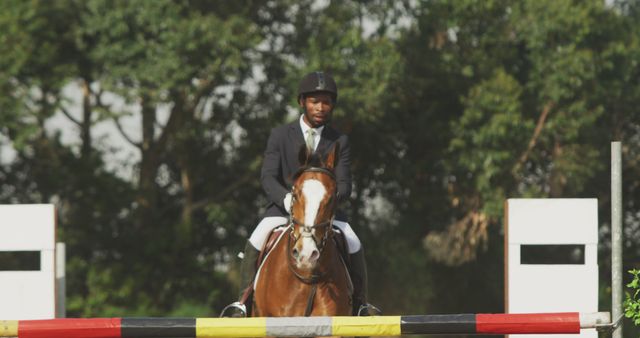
513 323
70 328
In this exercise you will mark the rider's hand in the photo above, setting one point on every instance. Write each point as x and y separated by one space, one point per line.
287 202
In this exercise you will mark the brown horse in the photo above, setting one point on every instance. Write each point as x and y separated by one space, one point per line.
303 274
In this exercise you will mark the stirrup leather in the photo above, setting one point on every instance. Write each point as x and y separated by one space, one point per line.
239 307
369 310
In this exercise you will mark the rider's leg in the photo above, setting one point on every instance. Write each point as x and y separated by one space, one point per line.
248 266
359 279
358 267
253 247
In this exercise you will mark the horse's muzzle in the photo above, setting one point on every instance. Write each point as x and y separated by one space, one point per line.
306 253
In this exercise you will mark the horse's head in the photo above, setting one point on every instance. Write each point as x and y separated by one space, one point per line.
313 207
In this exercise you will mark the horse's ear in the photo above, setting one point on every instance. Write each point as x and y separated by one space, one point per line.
303 155
332 158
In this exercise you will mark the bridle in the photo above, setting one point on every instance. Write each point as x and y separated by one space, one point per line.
306 231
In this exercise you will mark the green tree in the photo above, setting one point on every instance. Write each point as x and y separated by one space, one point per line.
451 106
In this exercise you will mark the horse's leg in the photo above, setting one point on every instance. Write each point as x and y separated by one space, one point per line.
333 298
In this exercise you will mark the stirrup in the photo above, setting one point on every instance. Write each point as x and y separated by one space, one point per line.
241 310
369 310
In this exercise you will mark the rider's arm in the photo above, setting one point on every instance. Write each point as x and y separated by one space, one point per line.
271 174
343 169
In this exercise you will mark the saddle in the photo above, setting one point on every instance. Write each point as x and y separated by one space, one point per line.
272 239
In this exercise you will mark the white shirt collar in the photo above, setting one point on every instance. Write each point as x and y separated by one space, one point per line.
305 127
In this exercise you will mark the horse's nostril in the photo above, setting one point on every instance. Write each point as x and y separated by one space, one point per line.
314 255
295 253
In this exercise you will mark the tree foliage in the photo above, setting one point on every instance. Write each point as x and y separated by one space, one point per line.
451 106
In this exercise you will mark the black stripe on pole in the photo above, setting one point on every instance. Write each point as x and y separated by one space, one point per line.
159 327
442 324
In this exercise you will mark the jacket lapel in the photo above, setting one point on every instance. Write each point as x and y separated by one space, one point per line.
326 139
295 136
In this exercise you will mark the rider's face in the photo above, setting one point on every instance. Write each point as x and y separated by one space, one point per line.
318 108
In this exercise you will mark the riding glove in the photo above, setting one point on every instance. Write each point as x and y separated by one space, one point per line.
287 202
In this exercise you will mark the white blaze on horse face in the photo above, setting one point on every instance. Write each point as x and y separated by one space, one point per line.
313 192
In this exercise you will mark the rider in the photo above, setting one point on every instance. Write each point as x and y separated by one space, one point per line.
317 96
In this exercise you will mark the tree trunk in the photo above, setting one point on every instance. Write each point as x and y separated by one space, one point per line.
557 179
85 124
147 194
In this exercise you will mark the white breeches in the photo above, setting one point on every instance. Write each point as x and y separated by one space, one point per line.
259 235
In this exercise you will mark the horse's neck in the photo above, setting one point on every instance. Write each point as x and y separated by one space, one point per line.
329 257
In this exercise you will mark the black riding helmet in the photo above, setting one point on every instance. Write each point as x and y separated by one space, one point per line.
318 82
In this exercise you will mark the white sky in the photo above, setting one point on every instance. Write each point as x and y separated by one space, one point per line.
105 135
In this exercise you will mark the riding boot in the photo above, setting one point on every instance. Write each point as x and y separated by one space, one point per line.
248 267
242 307
360 285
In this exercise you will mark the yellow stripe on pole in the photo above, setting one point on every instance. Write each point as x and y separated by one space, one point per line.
231 327
8 328
366 326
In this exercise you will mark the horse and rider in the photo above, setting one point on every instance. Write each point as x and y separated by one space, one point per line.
306 174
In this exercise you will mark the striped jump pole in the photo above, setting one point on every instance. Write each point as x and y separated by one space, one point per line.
540 323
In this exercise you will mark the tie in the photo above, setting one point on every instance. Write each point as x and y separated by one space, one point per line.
311 137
